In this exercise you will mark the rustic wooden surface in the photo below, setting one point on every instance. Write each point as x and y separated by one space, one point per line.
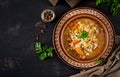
17 37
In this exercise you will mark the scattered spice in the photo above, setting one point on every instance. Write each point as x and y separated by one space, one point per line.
43 51
40 25
47 15
41 29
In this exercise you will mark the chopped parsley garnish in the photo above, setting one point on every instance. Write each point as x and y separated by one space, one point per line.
100 60
83 35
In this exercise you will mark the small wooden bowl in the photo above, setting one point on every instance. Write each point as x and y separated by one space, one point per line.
81 13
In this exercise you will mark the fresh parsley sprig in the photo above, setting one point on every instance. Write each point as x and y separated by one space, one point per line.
43 51
100 60
83 35
114 5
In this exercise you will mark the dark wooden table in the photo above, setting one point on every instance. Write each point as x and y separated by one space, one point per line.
17 37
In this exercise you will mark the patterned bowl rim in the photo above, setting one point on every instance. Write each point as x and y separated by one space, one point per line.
56 38
84 16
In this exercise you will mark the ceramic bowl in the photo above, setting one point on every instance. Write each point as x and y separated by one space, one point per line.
62 24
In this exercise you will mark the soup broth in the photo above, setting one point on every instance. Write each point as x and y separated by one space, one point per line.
84 38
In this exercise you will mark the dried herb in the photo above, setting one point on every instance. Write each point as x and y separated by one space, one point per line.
41 29
40 25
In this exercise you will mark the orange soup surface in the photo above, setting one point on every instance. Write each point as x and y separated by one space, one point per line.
84 38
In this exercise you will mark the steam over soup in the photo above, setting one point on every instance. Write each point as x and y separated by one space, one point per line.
84 38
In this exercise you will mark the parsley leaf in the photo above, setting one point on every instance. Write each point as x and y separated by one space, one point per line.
50 54
43 55
100 60
83 35
114 5
38 47
43 51
98 2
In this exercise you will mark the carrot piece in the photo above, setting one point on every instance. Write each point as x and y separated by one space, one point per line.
79 51
75 41
75 25
97 50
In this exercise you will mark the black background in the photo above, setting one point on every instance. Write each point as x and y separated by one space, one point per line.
17 37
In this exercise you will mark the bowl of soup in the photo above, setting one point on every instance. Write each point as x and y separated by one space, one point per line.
83 37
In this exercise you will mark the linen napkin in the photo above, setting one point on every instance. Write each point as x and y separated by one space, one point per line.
71 3
110 69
